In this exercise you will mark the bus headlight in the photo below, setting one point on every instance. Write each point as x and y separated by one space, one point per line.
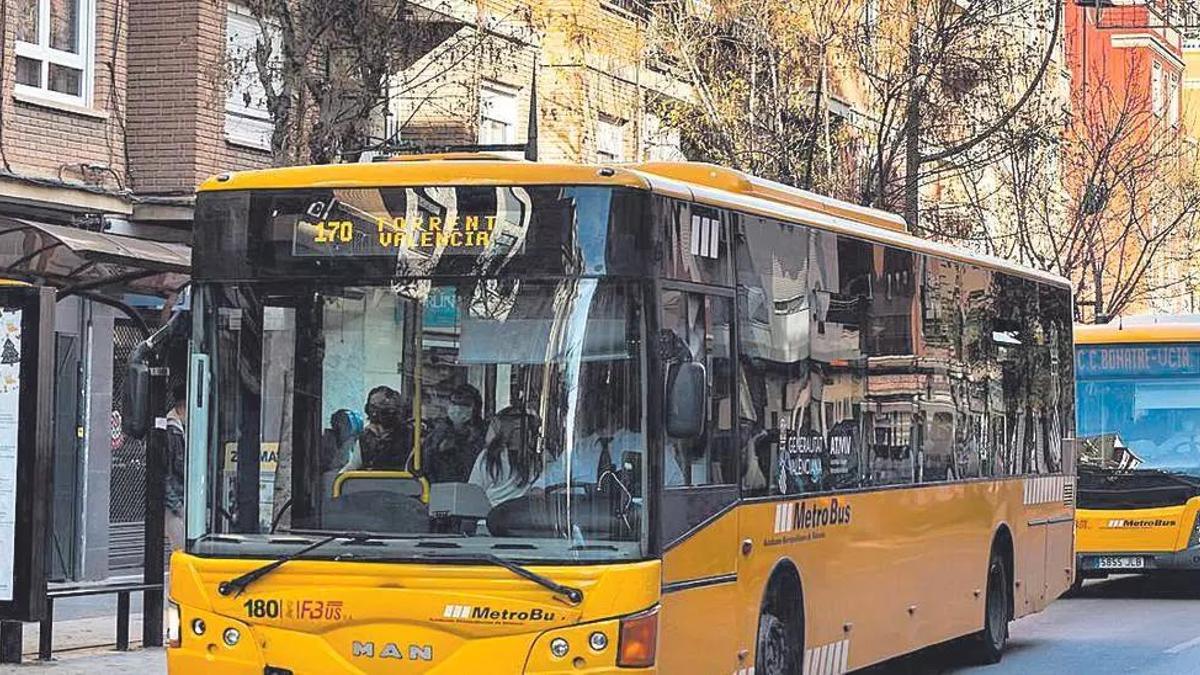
638 644
559 647
173 624
598 641
1194 540
231 637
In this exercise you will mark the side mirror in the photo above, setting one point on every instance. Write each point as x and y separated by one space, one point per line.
687 394
136 397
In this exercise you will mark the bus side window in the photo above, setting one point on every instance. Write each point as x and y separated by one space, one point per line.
801 300
696 241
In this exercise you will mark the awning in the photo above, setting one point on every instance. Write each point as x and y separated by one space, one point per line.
80 261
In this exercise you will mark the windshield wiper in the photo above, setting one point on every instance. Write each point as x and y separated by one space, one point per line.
572 594
237 585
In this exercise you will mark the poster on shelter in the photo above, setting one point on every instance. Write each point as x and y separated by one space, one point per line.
10 397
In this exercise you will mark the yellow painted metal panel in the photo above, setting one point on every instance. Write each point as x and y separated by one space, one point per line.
709 552
308 615
1157 530
1115 334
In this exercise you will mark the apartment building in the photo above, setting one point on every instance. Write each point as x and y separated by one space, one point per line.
1129 63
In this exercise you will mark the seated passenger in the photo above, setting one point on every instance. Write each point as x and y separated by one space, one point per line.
386 442
452 443
509 463
338 445
337 442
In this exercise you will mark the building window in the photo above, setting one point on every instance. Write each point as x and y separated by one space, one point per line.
497 114
247 117
1173 100
662 143
610 140
54 49
1158 100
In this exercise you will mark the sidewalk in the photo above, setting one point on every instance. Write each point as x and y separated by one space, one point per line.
96 662
85 635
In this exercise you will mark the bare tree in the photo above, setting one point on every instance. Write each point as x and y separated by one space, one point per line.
933 83
1130 218
946 78
763 76
328 67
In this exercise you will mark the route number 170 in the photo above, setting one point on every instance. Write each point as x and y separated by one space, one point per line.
333 231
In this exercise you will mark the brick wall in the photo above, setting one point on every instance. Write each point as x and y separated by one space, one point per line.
214 154
593 56
162 96
177 97
49 141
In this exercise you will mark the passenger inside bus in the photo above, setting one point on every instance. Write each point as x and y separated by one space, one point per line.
386 441
338 444
454 439
510 462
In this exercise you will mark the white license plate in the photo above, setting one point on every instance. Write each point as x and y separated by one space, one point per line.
1122 562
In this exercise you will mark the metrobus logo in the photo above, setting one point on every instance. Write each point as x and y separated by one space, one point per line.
490 614
1145 522
808 515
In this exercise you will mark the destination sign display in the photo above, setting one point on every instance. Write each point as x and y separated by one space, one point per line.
1099 361
427 222
387 235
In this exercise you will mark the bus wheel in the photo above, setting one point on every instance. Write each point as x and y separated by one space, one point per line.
778 652
990 642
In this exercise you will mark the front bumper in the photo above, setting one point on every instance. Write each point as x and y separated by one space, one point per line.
1187 559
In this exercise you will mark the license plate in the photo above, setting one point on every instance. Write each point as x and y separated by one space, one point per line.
1123 562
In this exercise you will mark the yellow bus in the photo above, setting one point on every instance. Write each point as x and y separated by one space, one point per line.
1139 462
518 417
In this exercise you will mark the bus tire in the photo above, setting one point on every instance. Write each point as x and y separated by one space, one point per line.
778 650
989 643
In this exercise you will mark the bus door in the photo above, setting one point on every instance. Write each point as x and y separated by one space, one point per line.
698 525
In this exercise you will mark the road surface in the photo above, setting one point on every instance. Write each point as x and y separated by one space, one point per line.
1141 625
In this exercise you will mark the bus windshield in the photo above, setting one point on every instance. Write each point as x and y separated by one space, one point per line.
458 371
1139 406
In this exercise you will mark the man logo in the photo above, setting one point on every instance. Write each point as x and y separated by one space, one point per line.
391 651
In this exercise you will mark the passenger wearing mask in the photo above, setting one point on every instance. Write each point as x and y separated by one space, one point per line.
450 447
338 446
510 461
386 441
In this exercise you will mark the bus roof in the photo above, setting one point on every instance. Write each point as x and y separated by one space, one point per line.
1140 330
703 183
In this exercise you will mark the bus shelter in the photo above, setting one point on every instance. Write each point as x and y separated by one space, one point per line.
116 271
